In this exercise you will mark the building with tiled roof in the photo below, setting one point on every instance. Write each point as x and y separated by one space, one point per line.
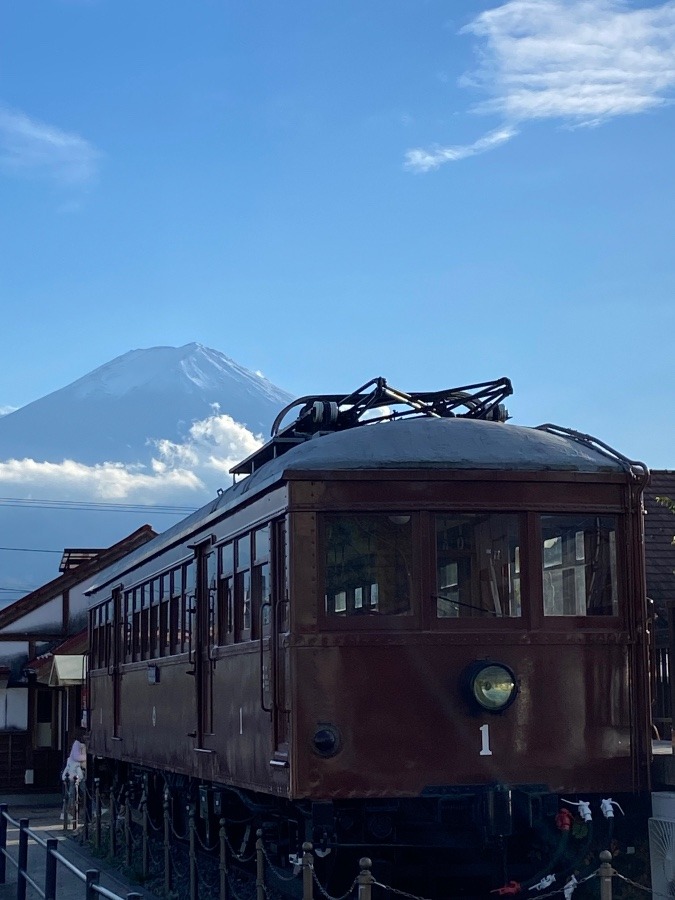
43 646
660 575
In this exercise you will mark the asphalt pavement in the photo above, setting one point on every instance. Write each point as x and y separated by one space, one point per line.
43 812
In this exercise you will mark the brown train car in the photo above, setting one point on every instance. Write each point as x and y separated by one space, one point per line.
412 631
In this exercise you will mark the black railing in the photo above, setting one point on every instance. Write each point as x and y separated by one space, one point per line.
47 890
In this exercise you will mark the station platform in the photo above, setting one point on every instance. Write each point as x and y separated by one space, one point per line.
43 812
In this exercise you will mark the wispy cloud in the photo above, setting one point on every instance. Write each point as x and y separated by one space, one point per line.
5 410
187 473
423 160
580 62
31 147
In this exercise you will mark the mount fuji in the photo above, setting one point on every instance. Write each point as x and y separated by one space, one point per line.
121 410
91 462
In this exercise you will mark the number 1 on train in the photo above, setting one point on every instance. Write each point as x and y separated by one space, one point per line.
485 741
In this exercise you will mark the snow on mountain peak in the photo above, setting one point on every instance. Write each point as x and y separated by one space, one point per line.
126 405
161 425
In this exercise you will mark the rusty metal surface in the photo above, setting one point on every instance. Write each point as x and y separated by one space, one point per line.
580 722
405 724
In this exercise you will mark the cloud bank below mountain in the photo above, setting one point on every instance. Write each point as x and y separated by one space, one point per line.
179 472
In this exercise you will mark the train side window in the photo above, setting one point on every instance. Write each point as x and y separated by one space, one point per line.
261 586
281 576
164 618
190 605
477 565
144 591
128 626
136 626
579 575
109 625
99 636
155 649
212 589
368 564
95 627
242 588
261 596
105 656
176 610
225 596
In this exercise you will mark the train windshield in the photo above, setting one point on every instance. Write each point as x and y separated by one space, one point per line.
579 565
477 565
368 564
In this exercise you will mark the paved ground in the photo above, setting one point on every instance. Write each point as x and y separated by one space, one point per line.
43 813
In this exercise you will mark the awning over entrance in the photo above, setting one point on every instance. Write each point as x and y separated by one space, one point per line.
67 671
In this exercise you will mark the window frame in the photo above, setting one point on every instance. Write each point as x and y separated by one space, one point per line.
487 622
584 622
376 622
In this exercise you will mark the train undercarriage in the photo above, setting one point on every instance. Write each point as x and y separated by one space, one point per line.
476 838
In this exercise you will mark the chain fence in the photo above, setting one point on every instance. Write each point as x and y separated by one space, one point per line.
190 866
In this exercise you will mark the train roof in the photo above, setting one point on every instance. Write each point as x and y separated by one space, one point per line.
429 443
407 444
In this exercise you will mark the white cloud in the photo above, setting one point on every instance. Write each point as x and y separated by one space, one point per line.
214 445
33 147
424 160
6 410
185 473
580 62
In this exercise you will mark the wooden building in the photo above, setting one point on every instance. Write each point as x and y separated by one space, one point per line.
660 574
43 647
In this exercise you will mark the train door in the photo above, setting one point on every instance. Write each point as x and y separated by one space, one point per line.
204 636
280 626
118 637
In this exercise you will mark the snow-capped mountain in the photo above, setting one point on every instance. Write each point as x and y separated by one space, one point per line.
152 428
119 410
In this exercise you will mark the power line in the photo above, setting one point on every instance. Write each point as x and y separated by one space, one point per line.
17 590
81 505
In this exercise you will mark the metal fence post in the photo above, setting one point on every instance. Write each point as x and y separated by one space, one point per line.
3 841
97 808
606 872
259 867
167 845
307 871
193 854
86 811
223 861
65 781
112 847
50 869
365 878
92 876
23 860
145 868
127 829
75 795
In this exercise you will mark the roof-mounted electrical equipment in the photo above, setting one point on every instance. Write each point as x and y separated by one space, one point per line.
371 404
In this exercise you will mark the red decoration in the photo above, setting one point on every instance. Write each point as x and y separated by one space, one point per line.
513 887
564 819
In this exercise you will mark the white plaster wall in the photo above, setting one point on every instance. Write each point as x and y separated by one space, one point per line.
46 618
78 605
13 709
12 650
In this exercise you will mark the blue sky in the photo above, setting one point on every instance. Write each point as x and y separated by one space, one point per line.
437 192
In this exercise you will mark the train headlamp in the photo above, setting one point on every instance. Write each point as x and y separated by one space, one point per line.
492 686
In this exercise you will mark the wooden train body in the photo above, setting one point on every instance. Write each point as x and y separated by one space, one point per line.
420 632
